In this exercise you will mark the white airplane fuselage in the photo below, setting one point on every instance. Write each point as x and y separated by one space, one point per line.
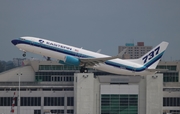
60 51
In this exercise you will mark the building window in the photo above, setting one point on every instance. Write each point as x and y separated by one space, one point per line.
70 111
30 101
53 101
56 111
68 89
174 111
70 101
37 111
171 101
58 67
169 67
171 77
54 76
117 104
7 101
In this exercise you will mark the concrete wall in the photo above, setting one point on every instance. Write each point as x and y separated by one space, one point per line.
154 94
84 93
26 73
96 96
142 96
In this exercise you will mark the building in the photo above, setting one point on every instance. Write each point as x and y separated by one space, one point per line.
171 86
18 61
47 86
134 52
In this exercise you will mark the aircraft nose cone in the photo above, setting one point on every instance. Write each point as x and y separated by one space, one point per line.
15 42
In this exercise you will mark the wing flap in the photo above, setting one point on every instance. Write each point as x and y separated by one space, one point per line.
95 61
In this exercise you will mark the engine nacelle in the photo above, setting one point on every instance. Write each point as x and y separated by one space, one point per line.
70 60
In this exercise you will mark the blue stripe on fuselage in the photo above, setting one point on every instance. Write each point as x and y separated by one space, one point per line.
49 47
133 68
114 64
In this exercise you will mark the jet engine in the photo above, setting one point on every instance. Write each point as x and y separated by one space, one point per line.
70 60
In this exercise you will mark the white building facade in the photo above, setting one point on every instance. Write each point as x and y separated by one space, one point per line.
48 87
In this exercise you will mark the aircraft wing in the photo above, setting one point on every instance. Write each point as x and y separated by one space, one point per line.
94 61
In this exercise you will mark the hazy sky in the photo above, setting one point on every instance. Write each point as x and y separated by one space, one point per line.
93 24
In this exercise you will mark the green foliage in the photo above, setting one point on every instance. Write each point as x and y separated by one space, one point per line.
1 67
6 65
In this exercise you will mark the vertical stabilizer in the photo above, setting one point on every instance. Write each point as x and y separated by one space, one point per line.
151 59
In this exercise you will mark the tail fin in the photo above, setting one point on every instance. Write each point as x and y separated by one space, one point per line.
151 59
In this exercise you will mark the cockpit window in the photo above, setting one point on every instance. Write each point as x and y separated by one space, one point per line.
21 38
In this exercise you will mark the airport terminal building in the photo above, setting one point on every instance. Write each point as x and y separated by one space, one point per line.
49 87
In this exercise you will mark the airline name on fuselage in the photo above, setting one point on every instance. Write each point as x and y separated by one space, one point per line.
56 45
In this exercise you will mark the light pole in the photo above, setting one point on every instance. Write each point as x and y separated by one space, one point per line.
19 98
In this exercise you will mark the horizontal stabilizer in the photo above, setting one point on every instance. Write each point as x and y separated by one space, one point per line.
157 70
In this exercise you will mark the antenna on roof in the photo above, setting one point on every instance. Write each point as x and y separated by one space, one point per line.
133 41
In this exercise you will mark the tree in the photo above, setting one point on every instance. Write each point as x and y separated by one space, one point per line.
9 65
1 67
6 65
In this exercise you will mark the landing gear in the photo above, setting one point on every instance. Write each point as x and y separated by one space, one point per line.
48 59
24 54
83 70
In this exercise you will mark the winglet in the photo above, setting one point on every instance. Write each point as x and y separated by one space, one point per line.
120 55
98 51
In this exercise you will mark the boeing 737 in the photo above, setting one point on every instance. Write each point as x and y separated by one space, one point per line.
69 55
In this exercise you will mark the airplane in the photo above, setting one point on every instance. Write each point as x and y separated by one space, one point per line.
69 55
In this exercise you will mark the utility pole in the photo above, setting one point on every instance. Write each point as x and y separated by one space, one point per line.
19 98
13 104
